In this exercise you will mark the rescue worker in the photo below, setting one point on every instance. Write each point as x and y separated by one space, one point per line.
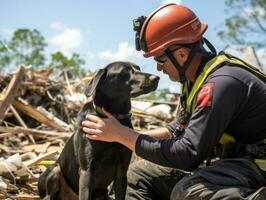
223 115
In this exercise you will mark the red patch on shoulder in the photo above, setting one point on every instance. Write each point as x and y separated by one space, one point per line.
205 95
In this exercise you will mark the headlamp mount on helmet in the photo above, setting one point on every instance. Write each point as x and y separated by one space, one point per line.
140 25
137 26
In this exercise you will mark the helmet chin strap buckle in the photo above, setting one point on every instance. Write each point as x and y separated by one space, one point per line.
182 78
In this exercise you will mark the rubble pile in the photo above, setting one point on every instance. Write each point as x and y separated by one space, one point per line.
38 112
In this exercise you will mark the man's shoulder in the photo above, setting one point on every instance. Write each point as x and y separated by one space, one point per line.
236 72
230 70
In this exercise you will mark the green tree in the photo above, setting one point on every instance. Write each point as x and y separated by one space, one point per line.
5 58
28 47
163 93
73 64
246 22
159 94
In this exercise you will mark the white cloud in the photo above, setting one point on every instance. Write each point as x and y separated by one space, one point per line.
67 40
124 52
58 25
90 55
172 1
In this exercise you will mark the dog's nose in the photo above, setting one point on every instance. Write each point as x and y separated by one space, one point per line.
154 78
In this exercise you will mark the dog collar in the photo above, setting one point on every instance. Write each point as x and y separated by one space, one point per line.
99 110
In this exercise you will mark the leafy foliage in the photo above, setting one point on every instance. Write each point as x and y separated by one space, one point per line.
73 64
246 22
5 58
27 47
159 94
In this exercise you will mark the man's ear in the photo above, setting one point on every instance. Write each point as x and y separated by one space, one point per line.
89 90
183 53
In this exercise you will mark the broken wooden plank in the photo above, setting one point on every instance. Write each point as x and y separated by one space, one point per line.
25 197
40 158
140 113
38 148
18 129
4 135
20 120
37 115
11 91
4 148
22 123
69 88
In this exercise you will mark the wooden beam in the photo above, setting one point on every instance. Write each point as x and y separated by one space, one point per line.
37 115
9 94
40 158
4 135
17 129
22 123
26 197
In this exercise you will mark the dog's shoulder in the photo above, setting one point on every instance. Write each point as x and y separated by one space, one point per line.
86 109
126 122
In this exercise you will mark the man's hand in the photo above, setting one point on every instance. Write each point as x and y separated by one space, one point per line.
109 130
106 129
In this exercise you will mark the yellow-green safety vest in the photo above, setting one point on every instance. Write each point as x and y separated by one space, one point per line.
210 67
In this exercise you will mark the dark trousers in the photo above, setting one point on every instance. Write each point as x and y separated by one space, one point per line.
147 180
224 180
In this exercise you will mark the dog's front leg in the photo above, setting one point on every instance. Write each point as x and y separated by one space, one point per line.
120 186
85 187
120 182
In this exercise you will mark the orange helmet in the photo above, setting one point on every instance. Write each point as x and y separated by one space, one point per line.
169 24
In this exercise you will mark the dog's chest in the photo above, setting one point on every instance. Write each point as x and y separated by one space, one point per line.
107 163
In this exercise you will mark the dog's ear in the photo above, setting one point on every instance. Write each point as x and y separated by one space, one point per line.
89 90
136 67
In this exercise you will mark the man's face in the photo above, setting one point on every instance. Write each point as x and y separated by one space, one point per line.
164 64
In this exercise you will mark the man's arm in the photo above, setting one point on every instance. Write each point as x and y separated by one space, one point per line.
160 133
124 135
202 133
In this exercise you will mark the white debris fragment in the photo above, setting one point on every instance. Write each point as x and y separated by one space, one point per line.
141 105
13 166
162 110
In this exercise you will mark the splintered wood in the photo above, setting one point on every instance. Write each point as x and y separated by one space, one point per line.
38 112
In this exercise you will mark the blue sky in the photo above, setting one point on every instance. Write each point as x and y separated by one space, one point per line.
100 31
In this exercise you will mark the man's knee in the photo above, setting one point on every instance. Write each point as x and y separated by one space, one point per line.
179 190
133 174
190 188
138 181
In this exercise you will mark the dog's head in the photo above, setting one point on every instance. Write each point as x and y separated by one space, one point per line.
122 79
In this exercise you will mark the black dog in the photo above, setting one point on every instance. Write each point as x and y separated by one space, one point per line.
87 167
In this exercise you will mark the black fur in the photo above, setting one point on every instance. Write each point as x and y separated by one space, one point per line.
88 167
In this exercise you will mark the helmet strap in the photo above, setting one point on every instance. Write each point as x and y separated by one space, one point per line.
182 69
209 45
